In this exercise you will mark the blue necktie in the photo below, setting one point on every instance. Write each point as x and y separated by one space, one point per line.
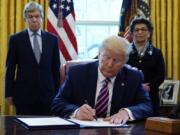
36 49
101 106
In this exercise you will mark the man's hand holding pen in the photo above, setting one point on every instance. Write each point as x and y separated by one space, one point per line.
85 112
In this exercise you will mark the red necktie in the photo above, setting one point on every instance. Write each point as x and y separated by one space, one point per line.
101 106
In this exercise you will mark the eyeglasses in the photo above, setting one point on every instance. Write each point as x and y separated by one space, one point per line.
142 30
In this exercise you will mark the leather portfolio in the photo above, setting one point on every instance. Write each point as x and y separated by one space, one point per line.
163 124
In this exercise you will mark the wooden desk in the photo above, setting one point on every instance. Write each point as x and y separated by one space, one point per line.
9 127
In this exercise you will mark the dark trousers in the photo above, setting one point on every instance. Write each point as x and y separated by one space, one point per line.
37 108
155 103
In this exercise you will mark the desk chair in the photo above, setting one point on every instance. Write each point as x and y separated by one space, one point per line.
70 63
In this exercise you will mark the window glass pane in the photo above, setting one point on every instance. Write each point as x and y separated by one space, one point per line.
80 9
81 40
96 19
114 8
97 9
90 38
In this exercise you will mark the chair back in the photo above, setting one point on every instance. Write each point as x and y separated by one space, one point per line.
70 63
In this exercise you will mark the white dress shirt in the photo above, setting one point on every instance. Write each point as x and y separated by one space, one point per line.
100 82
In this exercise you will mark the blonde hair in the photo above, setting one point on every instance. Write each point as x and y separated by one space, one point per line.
116 44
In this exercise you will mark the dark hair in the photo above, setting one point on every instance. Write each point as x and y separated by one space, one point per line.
141 20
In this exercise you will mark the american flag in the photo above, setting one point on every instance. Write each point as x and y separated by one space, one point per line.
124 14
61 22
143 8
129 9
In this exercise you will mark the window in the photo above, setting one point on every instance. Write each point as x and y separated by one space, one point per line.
95 20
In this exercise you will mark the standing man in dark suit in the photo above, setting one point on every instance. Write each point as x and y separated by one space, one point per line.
126 99
32 66
147 59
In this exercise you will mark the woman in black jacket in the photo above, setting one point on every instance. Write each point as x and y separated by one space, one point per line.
147 59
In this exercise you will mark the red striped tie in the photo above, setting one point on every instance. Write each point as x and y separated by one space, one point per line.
101 106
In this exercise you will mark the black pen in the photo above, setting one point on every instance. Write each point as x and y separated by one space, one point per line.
94 116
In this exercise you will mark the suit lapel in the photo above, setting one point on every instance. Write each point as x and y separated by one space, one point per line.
93 83
44 46
44 42
27 42
118 90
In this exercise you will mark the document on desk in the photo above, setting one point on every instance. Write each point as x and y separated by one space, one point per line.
96 123
45 122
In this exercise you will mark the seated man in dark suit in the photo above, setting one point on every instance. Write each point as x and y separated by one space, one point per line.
112 89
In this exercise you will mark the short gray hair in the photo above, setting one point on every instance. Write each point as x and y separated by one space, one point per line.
32 6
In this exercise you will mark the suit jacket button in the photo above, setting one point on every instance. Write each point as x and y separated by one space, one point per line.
122 84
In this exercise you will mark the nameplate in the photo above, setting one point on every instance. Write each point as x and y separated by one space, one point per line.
163 124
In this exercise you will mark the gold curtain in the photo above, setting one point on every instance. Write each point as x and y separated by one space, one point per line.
11 21
165 15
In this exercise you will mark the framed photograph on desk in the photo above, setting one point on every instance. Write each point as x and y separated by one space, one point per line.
169 91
